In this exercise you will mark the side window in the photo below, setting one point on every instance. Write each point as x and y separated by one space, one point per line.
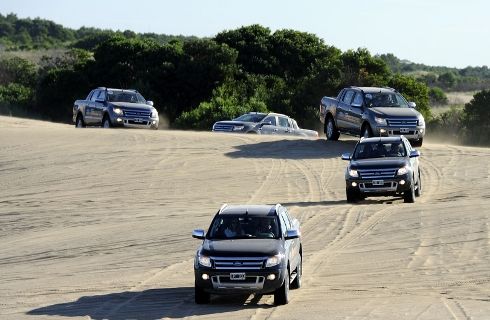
358 99
271 119
401 101
94 96
102 95
90 95
348 97
283 122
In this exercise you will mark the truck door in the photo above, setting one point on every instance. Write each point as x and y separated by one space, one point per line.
90 113
355 113
343 107
284 126
99 106
269 125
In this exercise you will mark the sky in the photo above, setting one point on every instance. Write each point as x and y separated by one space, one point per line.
452 33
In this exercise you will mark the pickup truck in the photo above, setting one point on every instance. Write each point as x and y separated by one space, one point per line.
249 249
115 108
369 112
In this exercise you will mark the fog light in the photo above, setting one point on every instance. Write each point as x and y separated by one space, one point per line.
382 130
118 119
354 184
271 277
421 130
402 182
205 276
153 122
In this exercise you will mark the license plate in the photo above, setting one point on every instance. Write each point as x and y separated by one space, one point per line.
237 276
378 182
138 120
404 130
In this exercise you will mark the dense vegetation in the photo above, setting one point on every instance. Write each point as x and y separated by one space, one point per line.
195 82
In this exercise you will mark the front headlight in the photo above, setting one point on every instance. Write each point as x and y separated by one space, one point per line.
274 260
421 121
204 260
238 128
353 173
380 121
118 111
402 171
154 113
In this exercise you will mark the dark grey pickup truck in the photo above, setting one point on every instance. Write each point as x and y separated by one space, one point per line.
249 249
371 111
108 108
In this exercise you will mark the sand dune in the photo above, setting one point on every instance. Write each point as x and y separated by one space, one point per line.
96 224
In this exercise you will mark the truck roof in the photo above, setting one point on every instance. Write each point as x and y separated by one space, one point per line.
255 210
375 89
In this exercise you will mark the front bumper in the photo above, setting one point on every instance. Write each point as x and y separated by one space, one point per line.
381 187
219 281
411 133
131 122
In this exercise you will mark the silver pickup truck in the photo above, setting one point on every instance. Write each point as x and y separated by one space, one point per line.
371 111
115 108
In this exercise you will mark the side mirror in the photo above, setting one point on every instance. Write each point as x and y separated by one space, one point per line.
100 100
198 234
412 104
149 102
414 154
268 123
292 234
346 156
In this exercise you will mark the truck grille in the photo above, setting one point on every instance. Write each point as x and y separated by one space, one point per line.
223 127
377 173
136 113
402 122
242 263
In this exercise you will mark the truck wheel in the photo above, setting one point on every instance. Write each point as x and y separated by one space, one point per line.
418 143
201 296
366 132
409 195
331 131
79 123
281 295
106 122
351 195
418 191
296 284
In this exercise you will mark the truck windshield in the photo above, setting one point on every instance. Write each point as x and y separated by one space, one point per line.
379 150
250 117
125 96
385 99
244 227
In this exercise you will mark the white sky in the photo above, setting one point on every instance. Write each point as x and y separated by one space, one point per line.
453 33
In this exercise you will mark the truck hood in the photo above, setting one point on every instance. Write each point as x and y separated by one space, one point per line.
396 112
378 163
241 247
141 106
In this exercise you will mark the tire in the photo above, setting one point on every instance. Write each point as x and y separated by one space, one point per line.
201 296
106 122
281 295
331 130
351 196
366 132
296 284
418 191
79 123
409 195
418 143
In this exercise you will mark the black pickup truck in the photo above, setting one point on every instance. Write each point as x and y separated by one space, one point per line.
371 111
109 108
249 249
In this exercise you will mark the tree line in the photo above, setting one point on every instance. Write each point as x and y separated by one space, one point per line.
195 82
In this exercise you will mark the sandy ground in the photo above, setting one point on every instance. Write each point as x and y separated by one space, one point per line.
96 224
